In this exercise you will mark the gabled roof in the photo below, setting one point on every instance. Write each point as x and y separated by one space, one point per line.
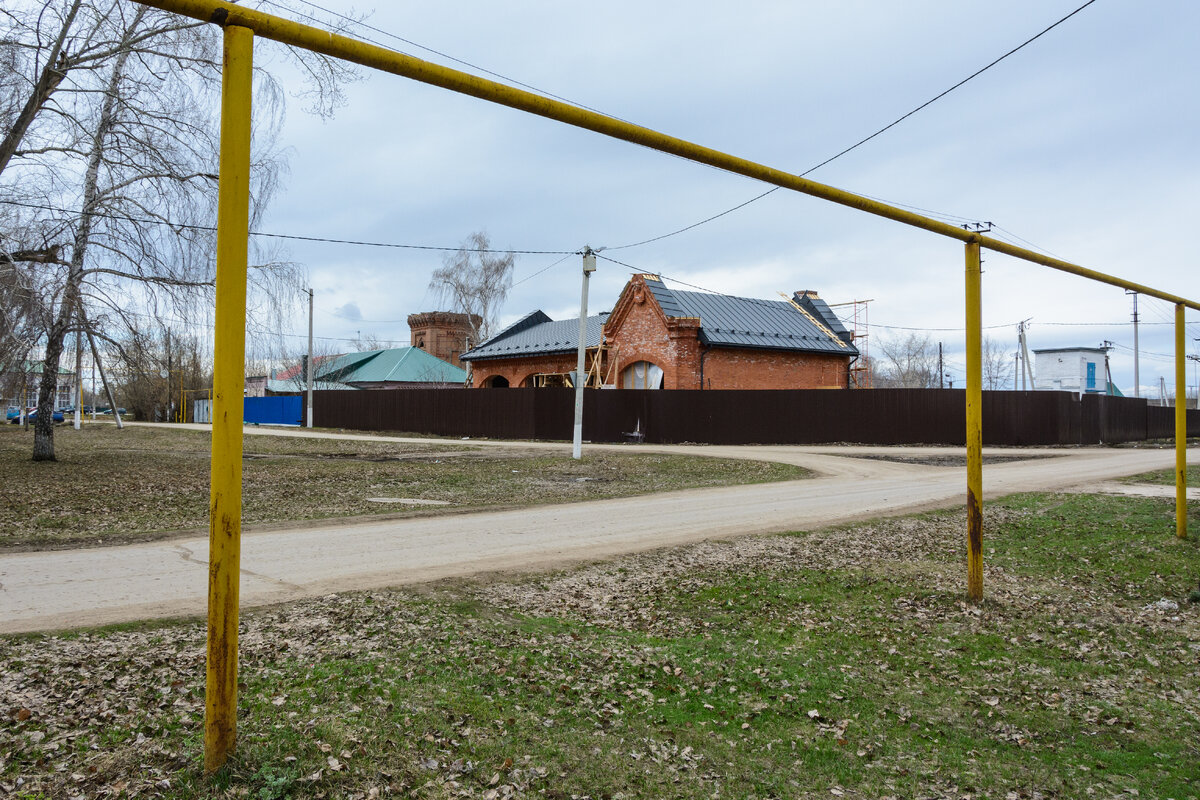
535 334
804 323
727 321
36 367
297 385
395 365
297 369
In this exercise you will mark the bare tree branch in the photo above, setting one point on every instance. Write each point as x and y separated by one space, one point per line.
475 282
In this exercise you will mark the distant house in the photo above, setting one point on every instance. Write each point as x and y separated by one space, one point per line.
19 386
660 338
393 368
292 379
1073 369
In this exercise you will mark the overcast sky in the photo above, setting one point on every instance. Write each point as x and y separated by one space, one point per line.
1083 144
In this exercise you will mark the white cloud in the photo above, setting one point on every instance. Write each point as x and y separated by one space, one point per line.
1082 143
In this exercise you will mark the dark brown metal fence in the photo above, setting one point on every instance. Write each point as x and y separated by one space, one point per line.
878 416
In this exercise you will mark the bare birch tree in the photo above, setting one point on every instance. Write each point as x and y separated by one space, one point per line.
111 156
906 362
23 315
475 281
997 365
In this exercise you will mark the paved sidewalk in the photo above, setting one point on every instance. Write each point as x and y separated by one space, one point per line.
60 589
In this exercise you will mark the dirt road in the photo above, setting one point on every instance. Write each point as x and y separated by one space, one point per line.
49 590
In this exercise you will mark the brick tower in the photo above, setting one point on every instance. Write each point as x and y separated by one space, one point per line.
443 334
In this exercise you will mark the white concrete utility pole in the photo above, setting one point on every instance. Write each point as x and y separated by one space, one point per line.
308 377
77 423
1137 376
589 266
1026 367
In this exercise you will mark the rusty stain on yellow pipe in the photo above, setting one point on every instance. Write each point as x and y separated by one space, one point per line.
225 502
974 424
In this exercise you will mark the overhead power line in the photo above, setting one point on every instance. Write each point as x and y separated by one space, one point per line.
866 139
564 253
264 234
363 243
773 304
447 56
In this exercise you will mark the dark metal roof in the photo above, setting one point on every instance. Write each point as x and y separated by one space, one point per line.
727 321
822 311
666 298
535 334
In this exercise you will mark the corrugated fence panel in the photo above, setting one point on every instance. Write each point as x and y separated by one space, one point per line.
277 410
1160 422
878 416
1113 420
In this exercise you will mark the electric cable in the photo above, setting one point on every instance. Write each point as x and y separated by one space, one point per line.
863 141
263 234
468 64
543 269
776 304
359 23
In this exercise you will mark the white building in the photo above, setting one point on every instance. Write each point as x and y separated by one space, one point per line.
20 386
1072 369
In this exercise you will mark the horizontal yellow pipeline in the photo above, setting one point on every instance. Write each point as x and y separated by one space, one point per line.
380 58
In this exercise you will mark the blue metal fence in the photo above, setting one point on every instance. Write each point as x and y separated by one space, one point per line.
278 410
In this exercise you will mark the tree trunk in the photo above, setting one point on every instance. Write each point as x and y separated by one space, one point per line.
51 76
43 425
43 431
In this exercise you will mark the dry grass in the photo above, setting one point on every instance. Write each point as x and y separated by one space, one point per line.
111 486
839 663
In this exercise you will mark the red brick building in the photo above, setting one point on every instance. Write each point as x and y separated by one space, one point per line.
659 338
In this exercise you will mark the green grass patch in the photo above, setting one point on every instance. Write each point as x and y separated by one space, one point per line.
842 662
1166 477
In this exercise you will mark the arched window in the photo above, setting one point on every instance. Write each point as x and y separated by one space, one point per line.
496 382
642 375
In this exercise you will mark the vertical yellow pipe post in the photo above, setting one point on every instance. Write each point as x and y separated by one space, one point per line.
1180 425
974 426
225 503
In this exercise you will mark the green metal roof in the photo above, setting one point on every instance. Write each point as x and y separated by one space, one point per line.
396 365
36 367
294 385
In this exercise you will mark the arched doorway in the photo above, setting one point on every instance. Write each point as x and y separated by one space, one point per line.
642 375
496 382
